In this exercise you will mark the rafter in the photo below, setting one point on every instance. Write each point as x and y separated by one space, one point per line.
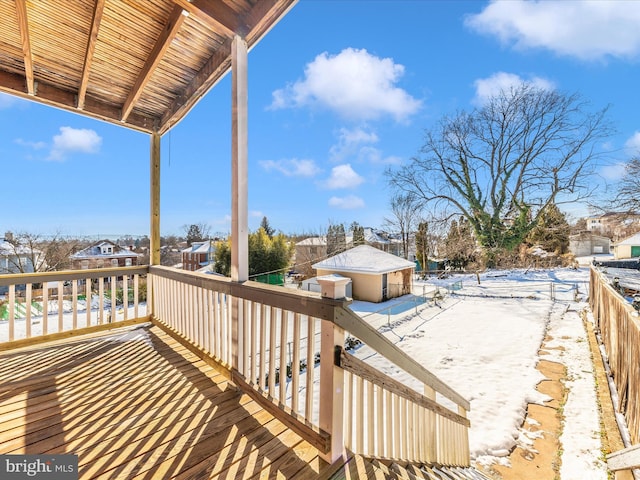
23 23
214 13
91 45
162 44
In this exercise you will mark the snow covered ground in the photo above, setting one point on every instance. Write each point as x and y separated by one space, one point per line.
484 339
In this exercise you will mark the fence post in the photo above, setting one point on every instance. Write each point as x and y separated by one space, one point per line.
331 389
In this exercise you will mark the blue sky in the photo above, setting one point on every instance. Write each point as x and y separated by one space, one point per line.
338 92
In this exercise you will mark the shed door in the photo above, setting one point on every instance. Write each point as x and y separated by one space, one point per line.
384 286
635 251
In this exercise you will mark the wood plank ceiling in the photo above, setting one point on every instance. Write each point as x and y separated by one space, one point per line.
138 63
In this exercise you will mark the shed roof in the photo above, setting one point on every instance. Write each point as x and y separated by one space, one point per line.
364 259
632 240
141 63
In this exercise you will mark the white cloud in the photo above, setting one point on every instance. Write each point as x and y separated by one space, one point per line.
374 155
503 82
346 203
354 84
343 176
29 144
74 140
292 167
256 214
632 145
350 142
586 29
613 172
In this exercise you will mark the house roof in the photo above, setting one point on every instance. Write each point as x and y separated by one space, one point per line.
632 240
364 259
140 64
8 249
94 251
199 247
313 241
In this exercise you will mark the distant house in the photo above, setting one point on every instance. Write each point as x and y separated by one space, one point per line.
376 275
587 243
627 248
16 258
198 255
613 223
104 254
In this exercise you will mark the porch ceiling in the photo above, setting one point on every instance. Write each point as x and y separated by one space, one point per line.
142 64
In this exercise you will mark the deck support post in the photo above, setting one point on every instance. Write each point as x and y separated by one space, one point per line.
154 214
239 187
331 390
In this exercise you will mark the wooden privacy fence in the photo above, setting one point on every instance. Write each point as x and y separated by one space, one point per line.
619 328
286 349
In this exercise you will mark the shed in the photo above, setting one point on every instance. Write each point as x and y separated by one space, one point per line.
627 248
588 243
376 276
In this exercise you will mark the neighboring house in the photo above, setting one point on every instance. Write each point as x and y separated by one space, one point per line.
376 275
613 223
587 243
309 251
104 254
627 248
17 258
198 255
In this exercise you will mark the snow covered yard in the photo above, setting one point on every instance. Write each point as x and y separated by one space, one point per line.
484 341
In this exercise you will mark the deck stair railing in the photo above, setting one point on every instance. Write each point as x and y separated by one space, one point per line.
285 348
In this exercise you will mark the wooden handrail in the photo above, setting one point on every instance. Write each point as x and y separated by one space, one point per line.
68 275
352 323
297 301
625 459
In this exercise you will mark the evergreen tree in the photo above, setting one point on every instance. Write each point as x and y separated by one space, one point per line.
358 234
336 239
459 245
422 244
264 224
552 231
265 254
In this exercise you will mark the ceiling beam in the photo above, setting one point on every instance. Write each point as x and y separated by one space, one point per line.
212 71
98 8
23 24
162 44
14 84
216 14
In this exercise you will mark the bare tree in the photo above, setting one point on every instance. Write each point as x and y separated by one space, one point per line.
196 232
628 191
501 164
405 211
31 252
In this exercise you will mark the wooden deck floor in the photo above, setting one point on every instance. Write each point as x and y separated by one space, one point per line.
136 404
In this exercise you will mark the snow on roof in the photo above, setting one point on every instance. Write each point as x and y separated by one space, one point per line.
632 240
199 247
313 241
95 251
364 259
8 249
370 236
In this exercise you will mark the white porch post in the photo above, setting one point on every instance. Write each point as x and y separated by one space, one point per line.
239 190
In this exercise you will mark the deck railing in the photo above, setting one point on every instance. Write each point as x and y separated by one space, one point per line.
46 306
285 348
288 347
